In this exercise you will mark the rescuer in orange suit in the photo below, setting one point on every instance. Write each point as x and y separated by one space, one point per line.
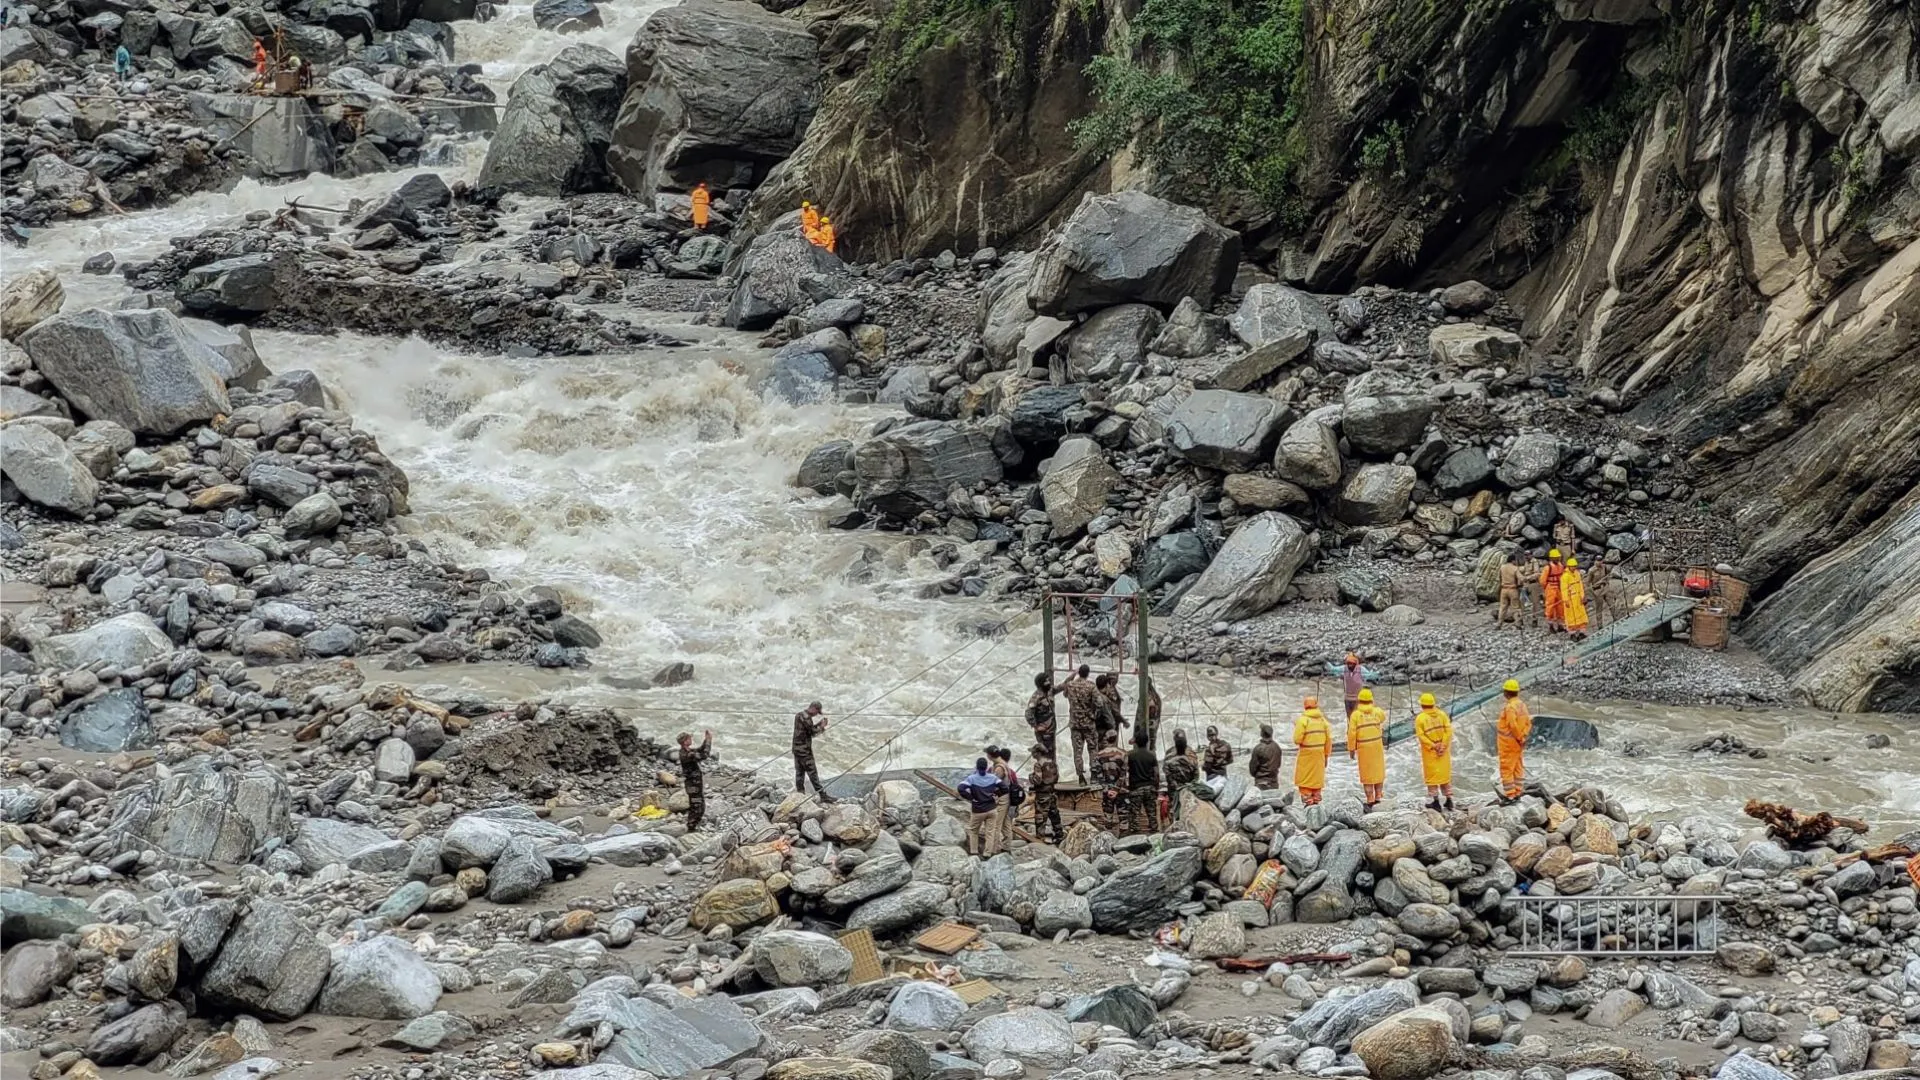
702 204
1550 590
1515 728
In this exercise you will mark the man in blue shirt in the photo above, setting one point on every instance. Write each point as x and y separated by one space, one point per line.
982 790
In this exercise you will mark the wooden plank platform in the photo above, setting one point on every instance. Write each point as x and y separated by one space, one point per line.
866 958
948 938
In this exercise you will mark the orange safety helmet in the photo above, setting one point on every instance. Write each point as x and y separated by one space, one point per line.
1310 703
1353 660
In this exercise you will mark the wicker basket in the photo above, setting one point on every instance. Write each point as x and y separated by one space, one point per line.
1709 628
1732 594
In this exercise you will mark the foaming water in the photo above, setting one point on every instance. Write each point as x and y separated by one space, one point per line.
509 43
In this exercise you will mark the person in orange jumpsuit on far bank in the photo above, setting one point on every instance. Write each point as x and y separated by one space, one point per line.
1550 590
809 220
827 239
1314 742
1573 600
702 204
1367 746
1515 728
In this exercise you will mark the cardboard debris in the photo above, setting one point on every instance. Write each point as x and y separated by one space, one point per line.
948 938
866 958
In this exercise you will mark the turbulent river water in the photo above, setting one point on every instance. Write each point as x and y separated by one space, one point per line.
653 489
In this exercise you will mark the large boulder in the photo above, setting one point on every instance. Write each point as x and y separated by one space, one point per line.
45 470
1464 472
780 272
1224 430
280 136
207 812
925 1006
142 369
1309 455
1376 495
1251 571
1113 340
1533 456
26 916
910 468
1040 416
1270 314
240 287
554 134
1004 311
717 90
29 299
1409 1045
1172 558
1144 896
1076 485
801 958
381 979
116 721
31 971
271 965
738 903
908 907
1469 345
1386 425
125 641
1130 247
1034 1037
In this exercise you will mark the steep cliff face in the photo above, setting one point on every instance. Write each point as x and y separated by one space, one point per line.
1708 212
955 134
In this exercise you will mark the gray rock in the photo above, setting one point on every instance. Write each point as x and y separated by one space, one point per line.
26 916
1251 571
1129 247
574 632
124 641
1376 495
925 1006
908 907
1854 879
823 465
1189 332
1039 417
1742 1066
557 127
1220 429
30 298
1383 426
630 849
1033 1037
718 90
475 841
1340 860
1113 340
241 287
118 720
1470 345
1062 910
141 369
519 873
1218 934
1467 298
691 1035
315 515
1464 472
911 468
1334 1021
1126 1007
1615 1008
873 877
801 377
425 1034
801 958
904 384
336 640
138 1036
323 841
565 16
271 965
32 970
1004 313
381 979
1076 485
1533 456
1427 921
402 903
45 470
1271 313
207 812
1144 896
240 363
1848 1043
1666 990
901 1053
1308 454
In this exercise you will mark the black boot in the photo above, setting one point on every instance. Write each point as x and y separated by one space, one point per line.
1449 802
1434 805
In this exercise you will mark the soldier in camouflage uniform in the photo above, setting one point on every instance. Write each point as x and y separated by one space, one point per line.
1110 772
1042 776
806 724
1083 709
1040 716
1181 767
692 779
1219 754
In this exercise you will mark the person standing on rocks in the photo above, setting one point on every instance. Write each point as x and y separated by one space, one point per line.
1112 709
1352 681
807 723
122 64
1182 767
1573 601
1313 746
1153 716
1045 777
1512 579
1110 773
1143 788
982 791
1219 754
999 763
1263 764
1083 711
1550 589
702 201
1367 746
691 777
1513 731
1040 716
1434 730
1600 589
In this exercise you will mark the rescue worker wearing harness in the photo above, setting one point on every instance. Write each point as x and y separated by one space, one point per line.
1313 745
1367 746
1434 730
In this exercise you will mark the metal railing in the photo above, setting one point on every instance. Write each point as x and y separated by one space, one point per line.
1618 925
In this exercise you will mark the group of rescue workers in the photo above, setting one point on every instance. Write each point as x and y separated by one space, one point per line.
1138 786
815 226
1559 588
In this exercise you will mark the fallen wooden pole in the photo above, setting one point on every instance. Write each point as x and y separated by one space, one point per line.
952 794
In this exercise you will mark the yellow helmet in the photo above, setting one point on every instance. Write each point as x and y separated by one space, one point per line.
1573 562
1554 554
1511 686
1366 695
825 220
804 204
1426 699
1310 703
